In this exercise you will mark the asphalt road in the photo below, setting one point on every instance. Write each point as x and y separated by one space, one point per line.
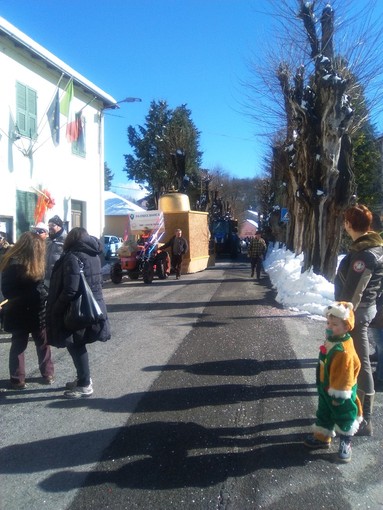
202 399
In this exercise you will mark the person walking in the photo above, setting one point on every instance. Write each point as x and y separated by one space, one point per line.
55 245
339 409
256 252
80 251
22 285
358 280
178 247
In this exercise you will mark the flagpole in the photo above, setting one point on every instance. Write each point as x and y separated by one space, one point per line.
45 115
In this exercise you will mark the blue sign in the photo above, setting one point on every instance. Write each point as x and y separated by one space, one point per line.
284 214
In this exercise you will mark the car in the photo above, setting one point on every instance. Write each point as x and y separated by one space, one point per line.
111 245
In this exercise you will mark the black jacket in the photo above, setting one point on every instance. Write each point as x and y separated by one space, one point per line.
178 245
360 272
55 246
25 310
63 287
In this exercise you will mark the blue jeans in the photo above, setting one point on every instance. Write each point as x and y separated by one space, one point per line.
80 358
363 317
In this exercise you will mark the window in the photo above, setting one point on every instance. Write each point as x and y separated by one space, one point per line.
77 213
78 146
26 110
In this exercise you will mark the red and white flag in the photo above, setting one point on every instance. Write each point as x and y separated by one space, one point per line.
67 109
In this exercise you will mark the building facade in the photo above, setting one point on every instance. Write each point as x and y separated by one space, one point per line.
51 139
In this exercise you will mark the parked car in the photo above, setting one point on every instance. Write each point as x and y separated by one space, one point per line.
111 245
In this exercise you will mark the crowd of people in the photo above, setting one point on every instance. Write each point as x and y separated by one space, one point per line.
40 276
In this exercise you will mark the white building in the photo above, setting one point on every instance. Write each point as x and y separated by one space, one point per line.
33 82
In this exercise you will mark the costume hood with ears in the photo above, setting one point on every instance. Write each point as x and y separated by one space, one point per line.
343 310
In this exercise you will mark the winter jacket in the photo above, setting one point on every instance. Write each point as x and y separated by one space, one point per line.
25 310
55 247
63 288
257 248
178 245
360 272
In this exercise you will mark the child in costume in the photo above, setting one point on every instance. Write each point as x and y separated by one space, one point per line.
339 409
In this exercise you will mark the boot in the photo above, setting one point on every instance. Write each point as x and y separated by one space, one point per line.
367 401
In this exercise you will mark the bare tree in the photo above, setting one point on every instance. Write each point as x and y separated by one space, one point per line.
320 79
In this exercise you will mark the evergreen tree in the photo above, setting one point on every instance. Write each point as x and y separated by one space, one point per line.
108 177
367 167
166 154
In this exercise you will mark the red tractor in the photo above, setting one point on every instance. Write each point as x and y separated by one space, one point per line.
141 259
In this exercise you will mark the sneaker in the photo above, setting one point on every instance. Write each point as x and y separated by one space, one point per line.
79 392
49 379
315 444
344 453
18 385
72 384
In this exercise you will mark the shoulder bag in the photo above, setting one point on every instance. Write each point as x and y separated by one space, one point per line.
83 311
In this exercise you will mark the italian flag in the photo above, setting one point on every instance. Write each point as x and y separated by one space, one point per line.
67 109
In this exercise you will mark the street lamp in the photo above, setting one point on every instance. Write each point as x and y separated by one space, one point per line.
126 100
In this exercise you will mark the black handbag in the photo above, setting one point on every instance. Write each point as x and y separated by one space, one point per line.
83 311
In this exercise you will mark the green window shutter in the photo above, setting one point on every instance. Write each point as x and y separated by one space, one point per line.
32 112
25 211
26 110
21 108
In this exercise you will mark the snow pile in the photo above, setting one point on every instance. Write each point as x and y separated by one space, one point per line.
305 292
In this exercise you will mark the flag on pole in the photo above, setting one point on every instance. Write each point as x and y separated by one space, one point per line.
67 109
81 133
53 115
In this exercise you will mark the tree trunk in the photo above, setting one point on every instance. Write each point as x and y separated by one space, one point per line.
320 179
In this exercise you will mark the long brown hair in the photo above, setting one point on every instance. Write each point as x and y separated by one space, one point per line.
29 251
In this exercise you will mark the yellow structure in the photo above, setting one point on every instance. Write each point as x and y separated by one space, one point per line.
195 229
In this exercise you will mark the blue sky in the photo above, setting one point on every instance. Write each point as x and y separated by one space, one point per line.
193 52
190 52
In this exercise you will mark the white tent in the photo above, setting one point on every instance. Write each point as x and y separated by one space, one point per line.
118 206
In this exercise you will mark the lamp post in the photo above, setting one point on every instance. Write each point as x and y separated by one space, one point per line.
101 145
126 100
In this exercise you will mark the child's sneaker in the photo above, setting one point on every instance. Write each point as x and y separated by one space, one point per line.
316 444
79 392
344 453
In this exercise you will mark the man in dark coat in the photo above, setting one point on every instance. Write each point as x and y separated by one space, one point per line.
55 244
178 246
